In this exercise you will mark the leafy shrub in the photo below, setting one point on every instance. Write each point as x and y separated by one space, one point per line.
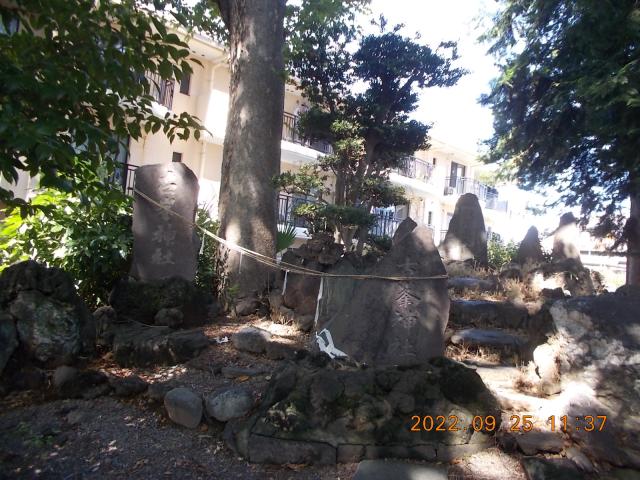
208 274
89 239
383 242
500 253
285 237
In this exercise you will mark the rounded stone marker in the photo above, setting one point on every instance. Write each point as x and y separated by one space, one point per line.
232 403
184 407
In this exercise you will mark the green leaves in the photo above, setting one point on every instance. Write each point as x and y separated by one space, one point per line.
71 83
91 240
566 107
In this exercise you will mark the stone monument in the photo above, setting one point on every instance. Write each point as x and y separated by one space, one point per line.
164 245
530 249
565 239
466 238
386 322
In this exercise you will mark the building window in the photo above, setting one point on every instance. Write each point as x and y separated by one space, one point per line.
185 84
176 157
430 218
434 161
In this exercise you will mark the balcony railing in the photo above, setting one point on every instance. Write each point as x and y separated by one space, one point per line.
485 193
124 177
287 205
160 89
413 167
290 134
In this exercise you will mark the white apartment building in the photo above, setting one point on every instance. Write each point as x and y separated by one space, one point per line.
433 180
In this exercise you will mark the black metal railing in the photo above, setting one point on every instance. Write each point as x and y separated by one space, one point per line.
413 167
486 194
386 224
287 205
124 177
160 89
290 134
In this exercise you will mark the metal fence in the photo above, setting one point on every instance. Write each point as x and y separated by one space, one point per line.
124 177
160 89
290 134
386 224
287 205
486 194
413 167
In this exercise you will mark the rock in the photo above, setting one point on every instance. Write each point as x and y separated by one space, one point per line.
385 322
170 317
304 323
550 469
246 306
8 339
164 245
277 451
547 368
184 407
579 459
321 411
233 372
533 442
385 470
466 238
552 294
64 374
301 293
28 378
128 386
76 417
251 339
510 271
404 228
477 337
460 284
105 319
172 294
140 345
592 357
275 300
530 249
568 274
487 314
280 351
52 324
69 382
565 239
231 403
157 391
48 332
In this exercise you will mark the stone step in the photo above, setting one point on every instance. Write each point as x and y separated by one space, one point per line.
486 337
386 470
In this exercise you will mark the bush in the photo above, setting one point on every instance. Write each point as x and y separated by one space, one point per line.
210 265
500 253
89 239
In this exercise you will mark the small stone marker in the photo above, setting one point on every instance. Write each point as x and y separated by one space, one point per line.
384 470
530 249
164 245
565 239
466 238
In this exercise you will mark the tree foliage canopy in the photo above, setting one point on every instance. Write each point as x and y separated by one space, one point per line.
566 104
72 83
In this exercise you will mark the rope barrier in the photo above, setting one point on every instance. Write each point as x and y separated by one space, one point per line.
284 266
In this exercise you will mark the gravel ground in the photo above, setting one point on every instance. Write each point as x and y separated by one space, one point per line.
41 437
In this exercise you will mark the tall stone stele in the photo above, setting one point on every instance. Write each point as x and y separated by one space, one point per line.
385 322
565 239
530 249
165 245
466 238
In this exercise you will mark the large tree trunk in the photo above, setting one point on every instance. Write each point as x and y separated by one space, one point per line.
251 155
632 232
